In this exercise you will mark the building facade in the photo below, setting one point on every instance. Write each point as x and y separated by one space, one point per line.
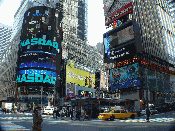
144 55
172 10
5 38
39 55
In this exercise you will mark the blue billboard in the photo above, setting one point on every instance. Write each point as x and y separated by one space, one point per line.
42 64
127 76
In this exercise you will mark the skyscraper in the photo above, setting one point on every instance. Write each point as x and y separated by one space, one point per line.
152 57
172 9
5 37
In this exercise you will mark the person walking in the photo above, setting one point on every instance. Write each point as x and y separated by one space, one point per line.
148 113
74 114
37 120
71 114
61 113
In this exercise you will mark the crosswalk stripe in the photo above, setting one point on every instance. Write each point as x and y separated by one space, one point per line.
6 125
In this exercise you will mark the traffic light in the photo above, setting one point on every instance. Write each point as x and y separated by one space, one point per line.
66 97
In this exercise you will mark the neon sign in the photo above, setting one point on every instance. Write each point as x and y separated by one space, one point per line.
38 14
36 78
40 41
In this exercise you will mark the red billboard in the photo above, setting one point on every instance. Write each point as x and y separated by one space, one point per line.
119 13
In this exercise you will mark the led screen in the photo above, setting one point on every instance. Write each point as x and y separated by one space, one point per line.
126 76
79 77
42 64
121 36
36 78
70 90
40 41
32 75
33 71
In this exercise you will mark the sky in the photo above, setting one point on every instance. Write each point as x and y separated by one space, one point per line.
96 19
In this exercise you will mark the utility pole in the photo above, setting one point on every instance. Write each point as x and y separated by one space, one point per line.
41 99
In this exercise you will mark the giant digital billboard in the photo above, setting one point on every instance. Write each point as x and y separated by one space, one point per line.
33 75
127 76
79 77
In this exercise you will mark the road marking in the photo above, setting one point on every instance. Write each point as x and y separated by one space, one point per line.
6 125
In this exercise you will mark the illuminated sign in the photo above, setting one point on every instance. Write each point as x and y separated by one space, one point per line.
32 22
70 89
77 76
119 53
36 78
33 71
119 13
38 14
83 93
40 41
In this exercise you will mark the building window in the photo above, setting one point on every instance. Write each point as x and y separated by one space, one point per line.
37 11
49 27
47 12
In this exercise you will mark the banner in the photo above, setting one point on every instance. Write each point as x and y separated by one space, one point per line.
79 77
70 90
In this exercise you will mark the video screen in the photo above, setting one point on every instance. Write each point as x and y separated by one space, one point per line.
126 76
121 36
33 71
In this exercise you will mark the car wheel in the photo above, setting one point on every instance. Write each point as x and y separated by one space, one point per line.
112 118
132 116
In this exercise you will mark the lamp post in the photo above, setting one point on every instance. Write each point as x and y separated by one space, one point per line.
41 98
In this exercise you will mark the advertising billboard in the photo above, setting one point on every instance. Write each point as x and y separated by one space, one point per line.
79 77
127 76
122 36
119 13
32 75
70 90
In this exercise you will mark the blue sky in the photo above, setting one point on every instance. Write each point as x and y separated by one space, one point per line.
96 20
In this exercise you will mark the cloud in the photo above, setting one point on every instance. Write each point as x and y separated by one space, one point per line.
7 11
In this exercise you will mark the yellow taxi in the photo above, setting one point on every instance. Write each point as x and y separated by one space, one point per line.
116 114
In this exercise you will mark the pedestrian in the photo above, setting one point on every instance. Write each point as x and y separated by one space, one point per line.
57 113
61 113
37 120
71 114
74 114
83 114
148 113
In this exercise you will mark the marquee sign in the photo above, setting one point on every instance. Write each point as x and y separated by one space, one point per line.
119 13
40 41
36 78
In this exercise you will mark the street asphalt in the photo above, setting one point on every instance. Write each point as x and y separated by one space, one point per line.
158 122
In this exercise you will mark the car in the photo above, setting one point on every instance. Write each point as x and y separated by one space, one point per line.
116 114
135 111
152 110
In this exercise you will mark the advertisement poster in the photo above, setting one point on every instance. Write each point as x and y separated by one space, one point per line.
70 90
78 77
126 76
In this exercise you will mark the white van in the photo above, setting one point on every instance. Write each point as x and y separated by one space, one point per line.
48 110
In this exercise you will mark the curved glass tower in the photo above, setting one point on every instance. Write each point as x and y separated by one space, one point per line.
39 51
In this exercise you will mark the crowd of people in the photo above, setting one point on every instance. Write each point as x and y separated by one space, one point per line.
74 114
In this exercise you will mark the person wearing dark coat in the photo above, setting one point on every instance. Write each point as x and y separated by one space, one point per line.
71 114
148 113
37 121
